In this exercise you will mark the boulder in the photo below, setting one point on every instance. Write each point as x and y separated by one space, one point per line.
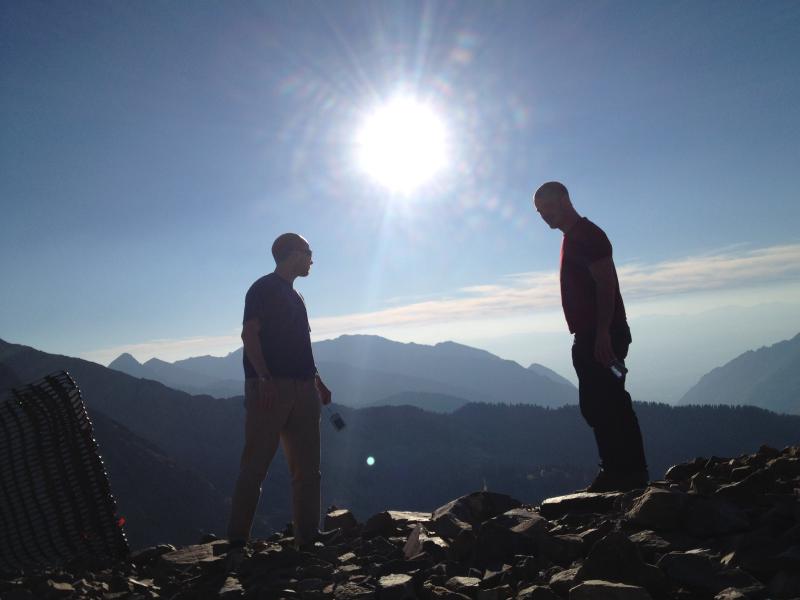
563 581
340 518
537 592
684 471
659 509
396 586
699 571
582 502
380 524
605 590
353 591
477 507
709 517
731 594
449 526
615 558
463 585
503 592
650 543
561 549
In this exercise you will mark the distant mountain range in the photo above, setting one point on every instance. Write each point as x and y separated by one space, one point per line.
173 457
768 377
367 370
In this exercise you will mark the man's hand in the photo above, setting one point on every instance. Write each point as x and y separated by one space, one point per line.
603 352
267 393
324 392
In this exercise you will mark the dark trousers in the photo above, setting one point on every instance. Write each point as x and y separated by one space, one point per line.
607 407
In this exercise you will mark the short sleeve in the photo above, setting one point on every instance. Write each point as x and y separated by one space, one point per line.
593 246
253 307
259 301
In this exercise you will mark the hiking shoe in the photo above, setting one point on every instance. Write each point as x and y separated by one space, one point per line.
625 481
237 552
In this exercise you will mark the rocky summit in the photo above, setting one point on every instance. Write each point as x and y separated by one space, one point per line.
720 528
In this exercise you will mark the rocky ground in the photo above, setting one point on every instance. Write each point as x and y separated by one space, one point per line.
712 528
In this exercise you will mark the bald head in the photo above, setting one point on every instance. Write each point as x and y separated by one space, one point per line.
285 244
552 191
553 204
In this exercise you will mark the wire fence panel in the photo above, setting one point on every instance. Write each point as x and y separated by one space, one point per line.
55 500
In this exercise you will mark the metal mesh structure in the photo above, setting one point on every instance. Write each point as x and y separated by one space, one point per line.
55 499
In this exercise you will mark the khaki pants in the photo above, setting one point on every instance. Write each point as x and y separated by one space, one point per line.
293 419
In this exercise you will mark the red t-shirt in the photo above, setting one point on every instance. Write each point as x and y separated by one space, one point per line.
584 244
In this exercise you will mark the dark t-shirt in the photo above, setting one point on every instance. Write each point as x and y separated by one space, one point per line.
584 244
285 333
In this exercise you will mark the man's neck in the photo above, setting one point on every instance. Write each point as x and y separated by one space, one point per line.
570 222
285 274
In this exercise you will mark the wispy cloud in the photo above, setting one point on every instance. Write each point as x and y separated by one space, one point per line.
499 305
536 291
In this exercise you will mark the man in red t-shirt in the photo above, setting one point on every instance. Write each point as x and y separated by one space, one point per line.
595 315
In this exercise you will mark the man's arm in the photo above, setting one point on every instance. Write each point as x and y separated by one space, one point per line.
605 280
252 349
324 392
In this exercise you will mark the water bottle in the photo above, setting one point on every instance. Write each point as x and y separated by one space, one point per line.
335 418
618 369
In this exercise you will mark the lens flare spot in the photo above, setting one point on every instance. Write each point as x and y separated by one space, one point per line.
370 461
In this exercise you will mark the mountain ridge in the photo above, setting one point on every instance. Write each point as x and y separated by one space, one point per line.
768 377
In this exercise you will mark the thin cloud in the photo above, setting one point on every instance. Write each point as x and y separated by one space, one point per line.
536 291
515 295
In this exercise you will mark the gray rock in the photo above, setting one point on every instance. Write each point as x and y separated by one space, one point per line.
605 590
189 555
563 581
709 517
353 591
477 507
503 592
731 594
659 509
615 558
537 592
340 518
449 526
409 517
581 502
380 524
397 586
463 585
149 555
650 543
685 471
54 589
699 571
561 549
231 589
785 467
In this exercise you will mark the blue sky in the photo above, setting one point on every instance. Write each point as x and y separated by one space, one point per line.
150 153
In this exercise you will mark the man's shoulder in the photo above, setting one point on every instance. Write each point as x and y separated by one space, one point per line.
588 231
265 284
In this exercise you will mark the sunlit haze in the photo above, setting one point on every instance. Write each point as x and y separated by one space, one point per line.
152 151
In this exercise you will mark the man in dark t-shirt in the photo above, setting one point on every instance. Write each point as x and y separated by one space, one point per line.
595 314
283 392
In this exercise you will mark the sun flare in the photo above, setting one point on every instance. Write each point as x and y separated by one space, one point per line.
402 145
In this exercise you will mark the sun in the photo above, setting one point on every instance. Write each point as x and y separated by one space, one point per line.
402 144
